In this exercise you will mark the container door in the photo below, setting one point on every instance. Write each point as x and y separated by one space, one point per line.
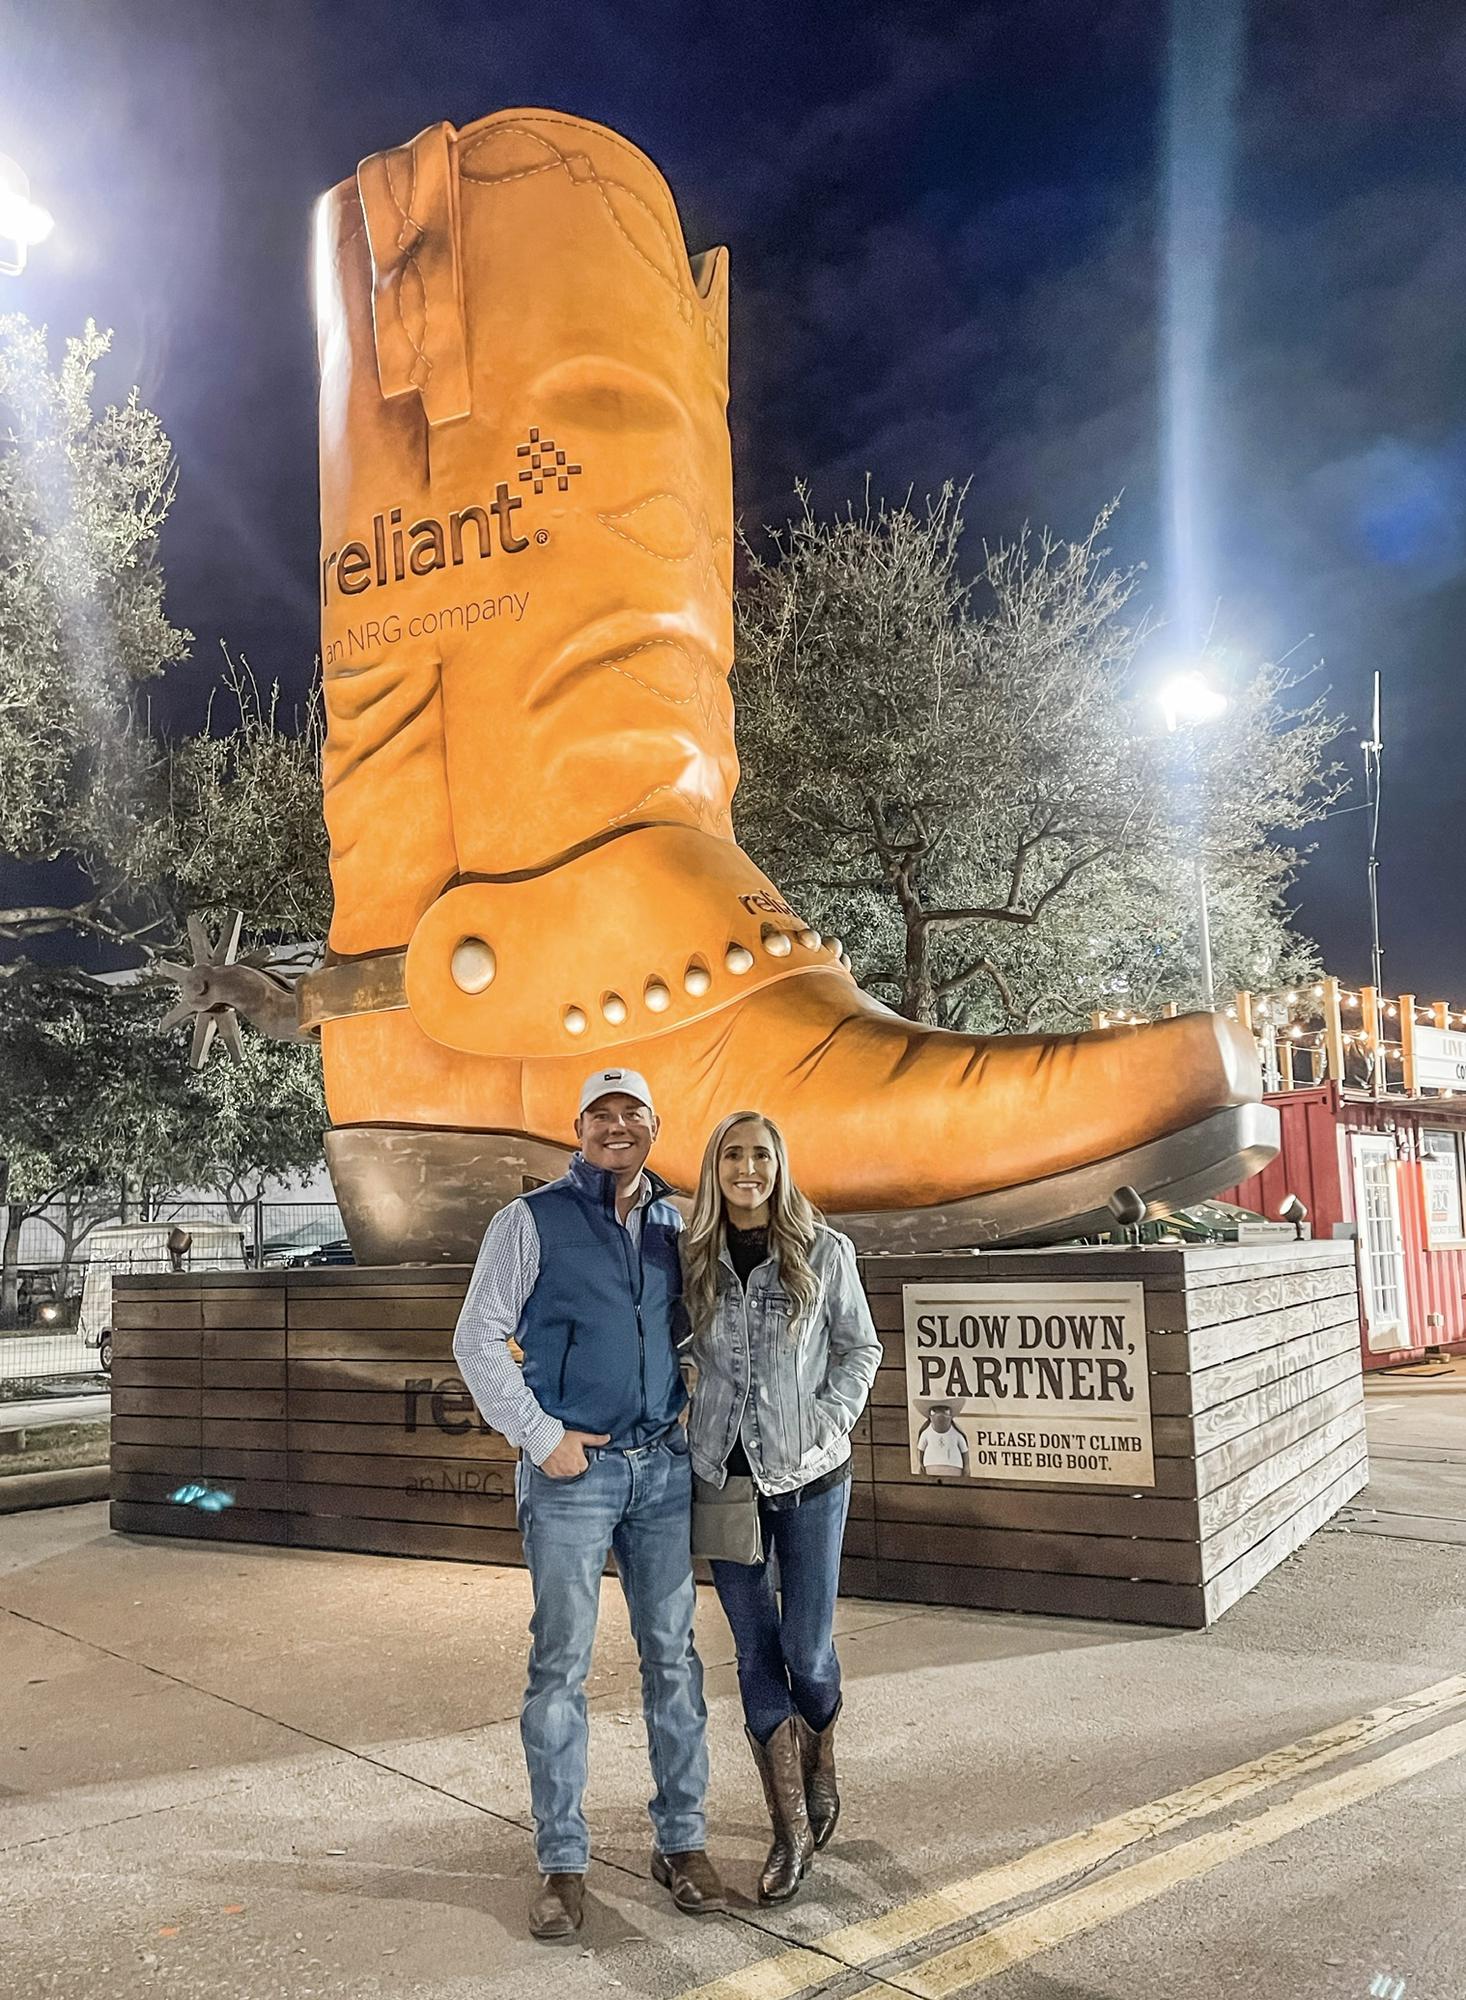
1381 1242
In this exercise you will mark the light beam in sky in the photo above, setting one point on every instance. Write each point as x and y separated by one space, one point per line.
1205 64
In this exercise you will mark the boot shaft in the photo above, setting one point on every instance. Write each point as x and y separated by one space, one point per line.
781 1770
526 509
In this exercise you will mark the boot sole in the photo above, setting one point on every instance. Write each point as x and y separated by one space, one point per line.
556 1937
1185 1166
431 1192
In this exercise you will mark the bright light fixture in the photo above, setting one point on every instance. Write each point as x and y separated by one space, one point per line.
23 222
1189 698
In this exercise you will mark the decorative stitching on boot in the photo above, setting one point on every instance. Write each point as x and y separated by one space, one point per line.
601 183
710 818
699 670
410 263
699 524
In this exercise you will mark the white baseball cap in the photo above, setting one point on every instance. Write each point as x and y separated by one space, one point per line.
610 1082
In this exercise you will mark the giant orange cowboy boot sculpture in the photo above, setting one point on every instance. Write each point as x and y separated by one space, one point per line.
526 500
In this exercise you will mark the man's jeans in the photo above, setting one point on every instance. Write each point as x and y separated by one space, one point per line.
638 1506
786 1646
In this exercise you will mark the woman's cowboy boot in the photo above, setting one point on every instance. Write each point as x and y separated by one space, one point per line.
821 1794
526 634
782 1772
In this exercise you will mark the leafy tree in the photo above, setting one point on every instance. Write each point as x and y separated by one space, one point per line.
88 1100
246 1122
134 832
96 1101
128 832
960 778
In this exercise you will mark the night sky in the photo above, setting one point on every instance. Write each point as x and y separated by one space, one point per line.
947 235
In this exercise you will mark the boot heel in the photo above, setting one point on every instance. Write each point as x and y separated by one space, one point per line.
432 1189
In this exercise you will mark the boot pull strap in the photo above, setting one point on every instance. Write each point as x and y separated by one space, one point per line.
409 197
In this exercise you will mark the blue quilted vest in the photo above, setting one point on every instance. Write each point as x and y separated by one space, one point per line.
599 1330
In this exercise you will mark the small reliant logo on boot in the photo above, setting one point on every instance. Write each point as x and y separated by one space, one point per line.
398 549
546 461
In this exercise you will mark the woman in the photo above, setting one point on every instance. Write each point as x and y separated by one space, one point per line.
785 1355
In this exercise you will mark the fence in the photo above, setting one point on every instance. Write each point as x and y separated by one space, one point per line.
1366 1042
57 1347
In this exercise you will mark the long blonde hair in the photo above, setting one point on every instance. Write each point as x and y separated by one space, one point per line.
792 1224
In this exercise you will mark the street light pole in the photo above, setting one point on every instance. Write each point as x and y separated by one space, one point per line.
1203 933
1372 752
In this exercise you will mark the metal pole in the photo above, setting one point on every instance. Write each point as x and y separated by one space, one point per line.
1203 927
1372 751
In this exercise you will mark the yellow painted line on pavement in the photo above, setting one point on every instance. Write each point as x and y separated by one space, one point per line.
1068 1916
802 1968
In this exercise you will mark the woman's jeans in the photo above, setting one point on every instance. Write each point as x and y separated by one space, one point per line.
637 1505
786 1646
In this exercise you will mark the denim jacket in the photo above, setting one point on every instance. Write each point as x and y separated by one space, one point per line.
798 1400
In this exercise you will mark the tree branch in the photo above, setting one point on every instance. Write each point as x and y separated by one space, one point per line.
979 966
39 919
1002 914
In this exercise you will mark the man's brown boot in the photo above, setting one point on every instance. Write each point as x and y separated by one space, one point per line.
821 1795
782 1772
558 1908
526 635
693 1881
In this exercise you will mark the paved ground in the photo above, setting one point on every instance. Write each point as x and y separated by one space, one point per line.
253 1773
1417 1454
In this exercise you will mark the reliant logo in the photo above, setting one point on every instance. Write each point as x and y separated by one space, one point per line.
397 551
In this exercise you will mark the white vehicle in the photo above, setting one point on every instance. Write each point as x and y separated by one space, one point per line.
123 1249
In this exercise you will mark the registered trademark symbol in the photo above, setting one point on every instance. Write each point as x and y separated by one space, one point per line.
542 535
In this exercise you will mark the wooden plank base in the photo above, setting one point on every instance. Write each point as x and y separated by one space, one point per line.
327 1407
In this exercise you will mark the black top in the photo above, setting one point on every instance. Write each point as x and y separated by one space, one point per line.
748 1248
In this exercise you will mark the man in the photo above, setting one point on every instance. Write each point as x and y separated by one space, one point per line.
584 1274
940 1443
